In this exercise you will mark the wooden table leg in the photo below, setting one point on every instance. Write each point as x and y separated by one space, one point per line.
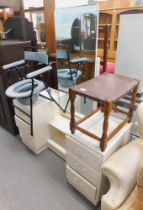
107 110
133 101
72 99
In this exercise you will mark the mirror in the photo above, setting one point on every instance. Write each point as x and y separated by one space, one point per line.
76 45
23 20
34 12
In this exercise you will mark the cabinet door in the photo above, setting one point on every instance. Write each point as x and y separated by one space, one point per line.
6 111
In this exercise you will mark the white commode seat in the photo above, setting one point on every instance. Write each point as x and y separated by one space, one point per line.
29 87
22 89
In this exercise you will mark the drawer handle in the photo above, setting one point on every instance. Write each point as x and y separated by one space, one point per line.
82 185
84 155
84 170
75 165
81 155
75 181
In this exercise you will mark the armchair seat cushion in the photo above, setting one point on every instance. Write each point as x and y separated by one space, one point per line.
129 203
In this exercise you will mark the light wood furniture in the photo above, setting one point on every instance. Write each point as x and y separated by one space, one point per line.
5 14
15 4
106 89
111 16
104 30
49 7
115 4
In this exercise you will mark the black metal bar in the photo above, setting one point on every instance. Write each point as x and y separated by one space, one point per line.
20 110
49 93
65 109
52 99
31 108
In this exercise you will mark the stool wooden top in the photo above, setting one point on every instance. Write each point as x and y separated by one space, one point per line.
106 87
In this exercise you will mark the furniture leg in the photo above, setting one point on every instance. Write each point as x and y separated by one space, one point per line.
31 108
133 100
107 109
72 99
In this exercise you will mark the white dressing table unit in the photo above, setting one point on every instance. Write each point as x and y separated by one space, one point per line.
82 154
84 158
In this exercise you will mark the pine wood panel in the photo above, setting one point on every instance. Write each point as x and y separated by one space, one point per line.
115 4
49 6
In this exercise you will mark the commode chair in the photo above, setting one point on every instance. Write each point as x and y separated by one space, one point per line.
26 90
68 71
124 170
68 76
25 93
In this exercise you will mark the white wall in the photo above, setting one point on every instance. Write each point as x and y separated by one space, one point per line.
69 3
32 3
129 59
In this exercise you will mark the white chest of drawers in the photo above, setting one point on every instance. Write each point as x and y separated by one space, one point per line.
44 111
84 161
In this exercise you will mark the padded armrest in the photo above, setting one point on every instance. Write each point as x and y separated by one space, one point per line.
14 64
121 170
38 72
140 119
140 173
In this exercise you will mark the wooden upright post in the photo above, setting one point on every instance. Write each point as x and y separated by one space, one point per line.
22 15
49 7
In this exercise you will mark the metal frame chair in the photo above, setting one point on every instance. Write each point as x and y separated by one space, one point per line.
72 71
30 56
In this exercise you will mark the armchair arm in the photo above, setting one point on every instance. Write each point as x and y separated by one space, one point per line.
139 193
140 174
121 170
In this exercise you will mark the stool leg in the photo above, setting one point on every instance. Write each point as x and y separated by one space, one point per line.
132 104
72 99
107 109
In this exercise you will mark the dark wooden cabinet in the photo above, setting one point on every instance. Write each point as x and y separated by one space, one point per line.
10 51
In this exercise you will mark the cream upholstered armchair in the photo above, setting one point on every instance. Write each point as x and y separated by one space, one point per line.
124 170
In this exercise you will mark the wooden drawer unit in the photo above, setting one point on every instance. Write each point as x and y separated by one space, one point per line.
82 153
82 169
83 186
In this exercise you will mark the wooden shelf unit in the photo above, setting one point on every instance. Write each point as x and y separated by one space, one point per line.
5 14
112 17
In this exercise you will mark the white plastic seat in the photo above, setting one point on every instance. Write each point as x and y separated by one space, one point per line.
23 88
64 76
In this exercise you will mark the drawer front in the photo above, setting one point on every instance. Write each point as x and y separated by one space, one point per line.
83 186
88 173
93 160
23 127
22 116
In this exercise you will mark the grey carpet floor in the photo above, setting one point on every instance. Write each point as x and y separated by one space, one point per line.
30 182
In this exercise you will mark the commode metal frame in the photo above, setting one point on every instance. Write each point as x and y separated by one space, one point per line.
30 56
